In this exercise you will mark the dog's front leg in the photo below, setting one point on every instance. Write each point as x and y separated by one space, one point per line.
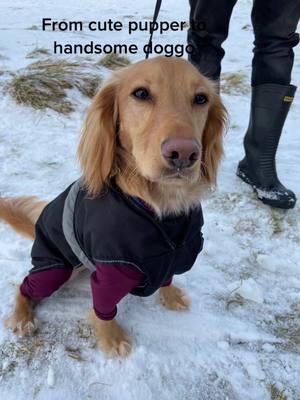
174 298
111 337
22 321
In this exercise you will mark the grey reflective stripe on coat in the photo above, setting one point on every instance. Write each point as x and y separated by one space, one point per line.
68 226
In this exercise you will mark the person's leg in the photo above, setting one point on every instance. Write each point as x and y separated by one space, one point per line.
209 22
35 287
274 23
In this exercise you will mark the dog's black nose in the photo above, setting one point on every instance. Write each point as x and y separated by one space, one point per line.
180 152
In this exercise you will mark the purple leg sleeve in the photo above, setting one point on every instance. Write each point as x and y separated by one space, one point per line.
38 285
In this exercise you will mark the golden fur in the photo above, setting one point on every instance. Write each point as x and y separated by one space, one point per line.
22 213
122 138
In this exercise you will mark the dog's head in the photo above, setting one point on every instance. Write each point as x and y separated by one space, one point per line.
161 119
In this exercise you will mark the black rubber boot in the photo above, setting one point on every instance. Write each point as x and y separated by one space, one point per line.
269 108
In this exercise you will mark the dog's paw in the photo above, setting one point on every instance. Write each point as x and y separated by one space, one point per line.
22 321
111 337
22 325
174 298
118 345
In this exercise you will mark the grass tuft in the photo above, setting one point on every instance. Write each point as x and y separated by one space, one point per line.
234 299
33 28
37 52
277 394
234 83
43 84
114 61
277 222
74 353
247 27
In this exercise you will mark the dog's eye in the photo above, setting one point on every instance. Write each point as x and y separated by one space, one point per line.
141 94
200 99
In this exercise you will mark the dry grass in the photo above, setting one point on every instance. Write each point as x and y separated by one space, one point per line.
12 352
74 353
246 225
84 331
287 328
247 27
33 28
113 61
291 335
234 83
277 394
37 52
43 84
228 201
234 300
36 391
277 221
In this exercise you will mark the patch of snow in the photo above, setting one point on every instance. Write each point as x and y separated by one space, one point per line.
255 372
223 345
268 348
50 377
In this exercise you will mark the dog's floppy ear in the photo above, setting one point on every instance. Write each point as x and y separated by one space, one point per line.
212 142
97 147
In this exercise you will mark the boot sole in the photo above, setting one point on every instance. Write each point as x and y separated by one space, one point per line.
285 205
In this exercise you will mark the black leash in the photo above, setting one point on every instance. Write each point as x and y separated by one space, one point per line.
154 19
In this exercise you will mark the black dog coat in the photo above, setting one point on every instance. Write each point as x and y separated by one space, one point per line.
112 228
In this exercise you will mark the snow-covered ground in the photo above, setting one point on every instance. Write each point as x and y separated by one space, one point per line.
242 333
